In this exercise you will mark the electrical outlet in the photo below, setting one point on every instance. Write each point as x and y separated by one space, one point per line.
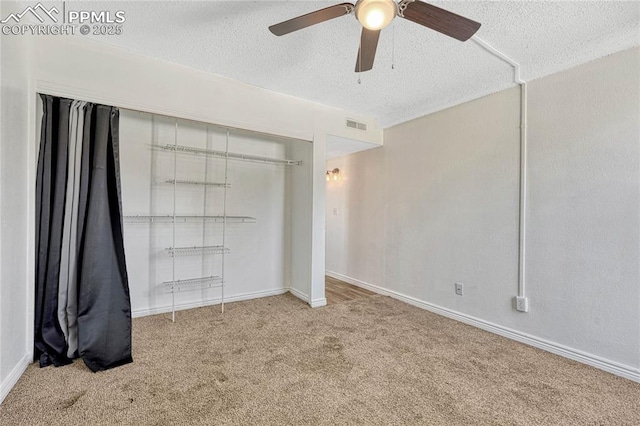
459 287
522 304
335 211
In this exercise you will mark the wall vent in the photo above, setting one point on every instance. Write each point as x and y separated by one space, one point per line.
356 125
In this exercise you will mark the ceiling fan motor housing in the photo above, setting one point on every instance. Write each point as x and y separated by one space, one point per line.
375 14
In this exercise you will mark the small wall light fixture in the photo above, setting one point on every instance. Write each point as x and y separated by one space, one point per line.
332 174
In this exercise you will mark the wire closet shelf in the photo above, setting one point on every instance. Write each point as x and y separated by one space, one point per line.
193 283
230 155
196 250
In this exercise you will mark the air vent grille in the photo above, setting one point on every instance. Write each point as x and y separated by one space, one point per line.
356 125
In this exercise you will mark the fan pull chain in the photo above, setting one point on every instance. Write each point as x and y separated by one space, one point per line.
360 61
393 46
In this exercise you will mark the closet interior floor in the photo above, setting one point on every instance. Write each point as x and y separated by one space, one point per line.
337 291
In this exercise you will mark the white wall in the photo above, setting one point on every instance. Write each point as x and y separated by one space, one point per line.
438 204
585 202
14 142
299 193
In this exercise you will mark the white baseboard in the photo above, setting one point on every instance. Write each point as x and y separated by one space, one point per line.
13 377
318 303
207 302
613 367
300 295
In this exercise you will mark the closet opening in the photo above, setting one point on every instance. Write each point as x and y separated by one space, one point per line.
212 214
207 214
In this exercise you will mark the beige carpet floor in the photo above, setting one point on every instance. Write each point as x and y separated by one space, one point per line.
368 361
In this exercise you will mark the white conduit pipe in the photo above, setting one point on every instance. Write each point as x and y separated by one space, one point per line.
523 159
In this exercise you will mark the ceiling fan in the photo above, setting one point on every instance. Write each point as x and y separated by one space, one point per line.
374 15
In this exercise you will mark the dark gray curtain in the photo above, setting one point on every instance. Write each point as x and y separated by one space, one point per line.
50 344
104 309
102 299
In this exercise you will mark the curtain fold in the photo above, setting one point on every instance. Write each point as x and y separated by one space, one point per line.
68 287
82 305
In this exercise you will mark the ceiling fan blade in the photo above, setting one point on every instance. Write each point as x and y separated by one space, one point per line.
312 18
367 50
441 20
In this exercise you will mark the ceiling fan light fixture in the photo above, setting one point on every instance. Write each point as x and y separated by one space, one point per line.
375 14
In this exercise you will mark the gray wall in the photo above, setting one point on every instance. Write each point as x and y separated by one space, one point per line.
438 204
13 209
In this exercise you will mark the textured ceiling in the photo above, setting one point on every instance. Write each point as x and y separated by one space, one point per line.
431 72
